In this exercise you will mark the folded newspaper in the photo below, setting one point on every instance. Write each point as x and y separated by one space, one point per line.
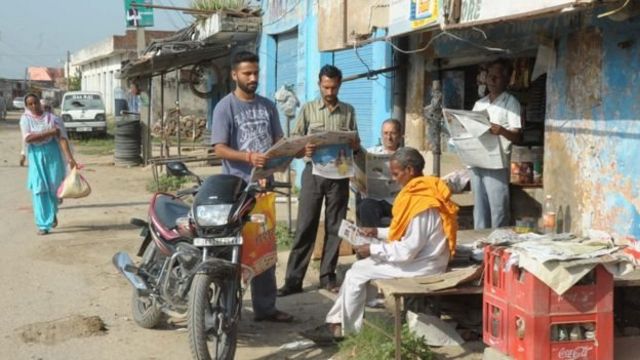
475 145
349 231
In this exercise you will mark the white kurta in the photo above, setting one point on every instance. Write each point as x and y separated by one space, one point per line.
423 250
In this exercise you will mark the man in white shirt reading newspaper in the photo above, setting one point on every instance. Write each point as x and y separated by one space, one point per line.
420 241
490 187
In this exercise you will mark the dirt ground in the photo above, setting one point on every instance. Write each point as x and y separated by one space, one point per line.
63 299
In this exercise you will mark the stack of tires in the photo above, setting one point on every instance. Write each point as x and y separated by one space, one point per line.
127 141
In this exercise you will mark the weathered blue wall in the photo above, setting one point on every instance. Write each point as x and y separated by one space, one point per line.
280 16
592 137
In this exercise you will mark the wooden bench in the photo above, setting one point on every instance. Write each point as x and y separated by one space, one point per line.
455 282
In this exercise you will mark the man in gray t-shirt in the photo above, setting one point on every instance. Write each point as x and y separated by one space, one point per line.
245 125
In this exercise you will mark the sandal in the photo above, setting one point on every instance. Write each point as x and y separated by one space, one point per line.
278 316
55 222
43 232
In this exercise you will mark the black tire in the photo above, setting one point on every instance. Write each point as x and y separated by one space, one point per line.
207 301
146 311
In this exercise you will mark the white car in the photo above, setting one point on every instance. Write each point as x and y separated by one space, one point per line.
18 103
84 112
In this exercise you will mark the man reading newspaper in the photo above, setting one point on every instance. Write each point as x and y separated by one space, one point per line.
420 241
371 210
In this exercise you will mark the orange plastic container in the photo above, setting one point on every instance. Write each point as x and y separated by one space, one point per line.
496 282
594 293
555 337
494 322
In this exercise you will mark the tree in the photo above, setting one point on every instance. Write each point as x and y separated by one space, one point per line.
75 82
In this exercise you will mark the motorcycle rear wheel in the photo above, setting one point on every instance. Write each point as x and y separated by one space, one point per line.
207 308
145 310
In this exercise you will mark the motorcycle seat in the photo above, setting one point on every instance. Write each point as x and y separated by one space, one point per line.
167 209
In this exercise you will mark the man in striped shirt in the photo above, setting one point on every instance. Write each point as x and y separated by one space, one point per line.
324 114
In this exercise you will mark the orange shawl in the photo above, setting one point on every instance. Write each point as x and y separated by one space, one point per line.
420 194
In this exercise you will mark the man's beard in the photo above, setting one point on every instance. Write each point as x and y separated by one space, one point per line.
249 89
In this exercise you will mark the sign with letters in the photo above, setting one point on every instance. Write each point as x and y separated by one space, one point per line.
409 15
137 15
482 11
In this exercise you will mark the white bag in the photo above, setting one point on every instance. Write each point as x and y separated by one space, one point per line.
74 186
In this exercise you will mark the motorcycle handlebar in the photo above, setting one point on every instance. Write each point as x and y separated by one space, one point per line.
278 184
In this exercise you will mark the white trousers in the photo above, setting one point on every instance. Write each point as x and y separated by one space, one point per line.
355 291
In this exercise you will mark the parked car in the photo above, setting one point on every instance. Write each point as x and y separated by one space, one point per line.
84 112
18 103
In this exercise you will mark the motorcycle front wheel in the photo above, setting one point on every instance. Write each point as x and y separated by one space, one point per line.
145 309
211 325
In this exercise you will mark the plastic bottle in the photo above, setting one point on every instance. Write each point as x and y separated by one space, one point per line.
549 215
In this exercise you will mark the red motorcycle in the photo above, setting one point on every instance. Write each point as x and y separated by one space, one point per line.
190 266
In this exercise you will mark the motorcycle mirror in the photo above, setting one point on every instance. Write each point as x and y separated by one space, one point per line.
258 219
177 168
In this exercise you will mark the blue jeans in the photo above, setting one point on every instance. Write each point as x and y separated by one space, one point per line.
490 189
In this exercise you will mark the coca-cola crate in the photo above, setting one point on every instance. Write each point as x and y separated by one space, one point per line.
593 293
496 282
561 337
494 322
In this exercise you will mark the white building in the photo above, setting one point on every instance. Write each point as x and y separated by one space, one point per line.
100 63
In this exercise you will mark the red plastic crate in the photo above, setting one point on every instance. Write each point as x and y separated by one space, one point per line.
496 282
594 294
494 322
530 337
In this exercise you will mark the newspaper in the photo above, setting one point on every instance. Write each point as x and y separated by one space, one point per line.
330 146
349 231
280 156
372 177
470 134
333 158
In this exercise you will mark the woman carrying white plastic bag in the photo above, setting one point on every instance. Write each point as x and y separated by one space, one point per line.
47 142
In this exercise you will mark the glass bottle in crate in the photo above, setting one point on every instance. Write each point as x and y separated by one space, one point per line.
549 215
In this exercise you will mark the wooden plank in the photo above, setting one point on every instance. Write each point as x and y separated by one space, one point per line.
429 285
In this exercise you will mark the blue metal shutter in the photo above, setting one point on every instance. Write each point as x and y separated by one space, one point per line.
286 65
358 93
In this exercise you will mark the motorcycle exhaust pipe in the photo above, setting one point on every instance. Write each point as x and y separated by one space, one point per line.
124 264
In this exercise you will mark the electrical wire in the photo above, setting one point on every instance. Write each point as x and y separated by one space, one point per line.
179 13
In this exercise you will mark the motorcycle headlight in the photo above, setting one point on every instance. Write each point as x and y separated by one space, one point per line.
212 215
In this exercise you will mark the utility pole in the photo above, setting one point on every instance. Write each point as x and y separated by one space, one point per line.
68 69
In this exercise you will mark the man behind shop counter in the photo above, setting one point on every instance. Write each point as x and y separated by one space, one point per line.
490 187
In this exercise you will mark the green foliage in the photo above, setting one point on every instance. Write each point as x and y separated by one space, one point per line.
371 344
283 237
216 5
75 82
166 183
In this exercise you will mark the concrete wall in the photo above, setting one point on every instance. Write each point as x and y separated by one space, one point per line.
99 75
592 139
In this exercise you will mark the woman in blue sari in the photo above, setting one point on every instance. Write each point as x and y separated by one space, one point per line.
47 149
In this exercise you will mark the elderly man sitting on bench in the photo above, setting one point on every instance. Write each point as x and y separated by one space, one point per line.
419 242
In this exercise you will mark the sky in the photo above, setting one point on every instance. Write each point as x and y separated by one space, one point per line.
39 32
